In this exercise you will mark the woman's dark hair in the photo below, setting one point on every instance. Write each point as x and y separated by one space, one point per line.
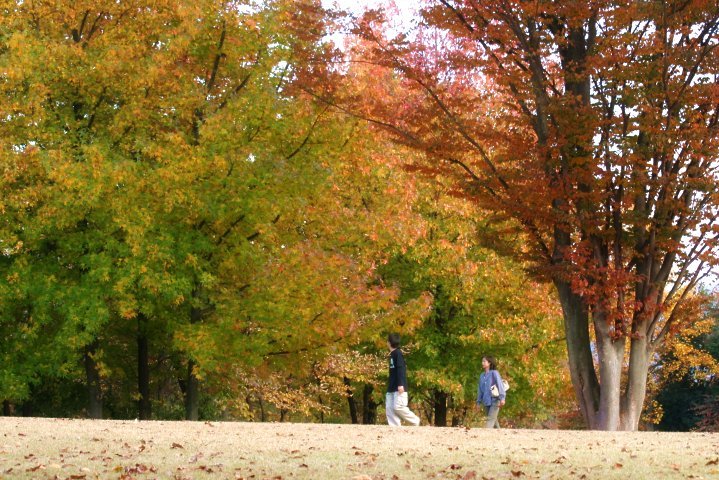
393 339
492 362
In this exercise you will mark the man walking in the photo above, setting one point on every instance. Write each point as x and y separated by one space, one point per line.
397 399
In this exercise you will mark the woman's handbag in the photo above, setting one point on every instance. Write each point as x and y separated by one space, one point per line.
495 391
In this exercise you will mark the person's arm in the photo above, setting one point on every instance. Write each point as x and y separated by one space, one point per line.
401 373
479 390
500 388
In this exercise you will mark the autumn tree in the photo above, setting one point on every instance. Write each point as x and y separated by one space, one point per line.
152 170
591 125
482 304
686 389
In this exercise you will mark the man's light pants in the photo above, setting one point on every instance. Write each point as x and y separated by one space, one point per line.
396 407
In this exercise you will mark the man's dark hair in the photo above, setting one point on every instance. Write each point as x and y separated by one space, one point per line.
393 339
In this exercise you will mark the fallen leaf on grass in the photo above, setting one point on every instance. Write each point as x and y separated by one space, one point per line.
176 445
517 473
140 468
35 468
713 462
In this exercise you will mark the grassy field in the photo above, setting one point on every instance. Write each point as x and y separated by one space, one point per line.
85 449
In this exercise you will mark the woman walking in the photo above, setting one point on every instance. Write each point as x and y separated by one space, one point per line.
491 398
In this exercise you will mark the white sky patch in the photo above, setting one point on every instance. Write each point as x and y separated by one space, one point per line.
406 7
402 14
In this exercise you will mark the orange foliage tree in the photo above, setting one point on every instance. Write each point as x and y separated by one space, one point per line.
593 126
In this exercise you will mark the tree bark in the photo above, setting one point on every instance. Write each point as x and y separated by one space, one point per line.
440 408
192 384
94 391
143 369
581 363
369 406
633 399
192 393
610 352
458 416
351 401
6 408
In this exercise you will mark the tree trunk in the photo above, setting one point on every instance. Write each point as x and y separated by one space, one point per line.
458 416
611 354
369 406
633 399
6 408
143 369
351 401
192 385
440 408
581 363
263 414
94 392
192 393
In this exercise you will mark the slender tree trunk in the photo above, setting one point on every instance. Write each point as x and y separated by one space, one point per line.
192 393
369 406
94 392
143 369
192 385
633 399
351 401
26 409
581 363
611 354
263 414
440 408
6 408
458 416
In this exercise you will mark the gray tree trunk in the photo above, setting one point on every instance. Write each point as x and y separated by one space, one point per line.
633 399
610 352
603 403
